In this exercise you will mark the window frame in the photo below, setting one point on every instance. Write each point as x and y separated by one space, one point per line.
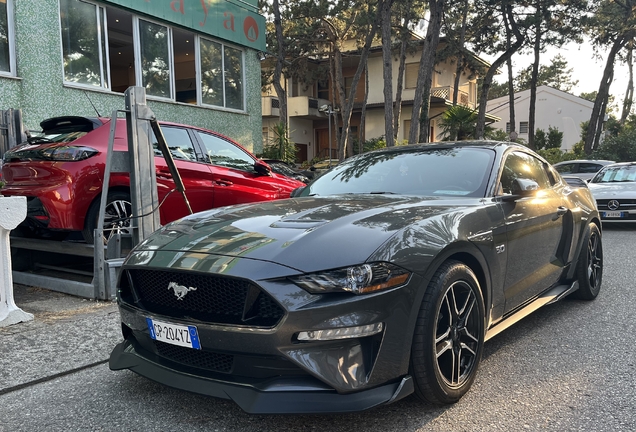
11 40
102 37
102 48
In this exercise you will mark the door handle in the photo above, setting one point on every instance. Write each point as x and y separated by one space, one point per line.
561 211
222 182
164 174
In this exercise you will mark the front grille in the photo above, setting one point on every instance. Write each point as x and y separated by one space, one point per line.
196 358
625 204
211 298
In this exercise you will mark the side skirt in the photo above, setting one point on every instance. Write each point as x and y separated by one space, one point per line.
552 295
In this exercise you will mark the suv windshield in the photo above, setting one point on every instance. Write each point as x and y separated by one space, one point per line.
434 171
615 174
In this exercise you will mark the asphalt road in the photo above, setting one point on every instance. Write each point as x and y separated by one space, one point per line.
568 367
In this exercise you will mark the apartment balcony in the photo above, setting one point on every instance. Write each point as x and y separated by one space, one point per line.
270 106
299 106
446 93
306 107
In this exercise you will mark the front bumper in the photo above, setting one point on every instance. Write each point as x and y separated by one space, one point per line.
274 397
255 358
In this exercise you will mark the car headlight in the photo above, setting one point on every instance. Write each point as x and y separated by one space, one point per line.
360 279
68 153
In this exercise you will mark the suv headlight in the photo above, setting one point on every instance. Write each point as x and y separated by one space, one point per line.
360 279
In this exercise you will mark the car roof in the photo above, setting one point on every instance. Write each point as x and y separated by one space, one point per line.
600 161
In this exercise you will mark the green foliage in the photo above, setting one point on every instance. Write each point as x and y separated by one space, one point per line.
552 155
280 147
551 140
620 148
556 75
375 144
497 135
458 123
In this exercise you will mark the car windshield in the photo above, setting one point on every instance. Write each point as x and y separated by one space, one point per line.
434 171
616 174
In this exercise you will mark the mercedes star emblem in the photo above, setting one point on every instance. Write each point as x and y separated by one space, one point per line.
613 205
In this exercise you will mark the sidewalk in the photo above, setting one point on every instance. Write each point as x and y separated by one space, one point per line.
67 334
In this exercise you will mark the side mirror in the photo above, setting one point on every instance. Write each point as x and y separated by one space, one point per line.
521 188
262 168
296 192
524 187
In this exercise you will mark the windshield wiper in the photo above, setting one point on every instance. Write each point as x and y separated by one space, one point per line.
382 193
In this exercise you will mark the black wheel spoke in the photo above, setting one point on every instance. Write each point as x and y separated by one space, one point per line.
457 333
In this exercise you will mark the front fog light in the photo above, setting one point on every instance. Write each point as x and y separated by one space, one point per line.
341 333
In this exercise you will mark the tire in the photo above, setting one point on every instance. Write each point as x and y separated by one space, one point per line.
116 217
589 268
449 335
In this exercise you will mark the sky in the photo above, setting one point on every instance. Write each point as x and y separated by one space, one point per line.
587 69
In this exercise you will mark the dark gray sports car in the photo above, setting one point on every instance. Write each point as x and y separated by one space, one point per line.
382 278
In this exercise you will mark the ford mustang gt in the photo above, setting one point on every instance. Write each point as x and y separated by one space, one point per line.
382 278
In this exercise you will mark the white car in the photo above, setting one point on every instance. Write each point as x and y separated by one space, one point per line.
585 169
614 188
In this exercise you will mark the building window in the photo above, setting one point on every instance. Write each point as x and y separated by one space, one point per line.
410 75
109 48
82 43
154 53
523 127
7 50
507 127
323 90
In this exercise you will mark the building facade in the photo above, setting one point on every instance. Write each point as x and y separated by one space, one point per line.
309 127
198 61
554 108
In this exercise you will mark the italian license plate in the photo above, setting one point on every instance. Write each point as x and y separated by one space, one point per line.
185 336
613 214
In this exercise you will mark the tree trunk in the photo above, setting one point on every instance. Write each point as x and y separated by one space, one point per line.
363 113
347 107
598 112
460 56
629 93
419 117
483 98
387 73
534 76
512 134
278 69
397 111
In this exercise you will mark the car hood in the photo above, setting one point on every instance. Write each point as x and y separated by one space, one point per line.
307 234
613 190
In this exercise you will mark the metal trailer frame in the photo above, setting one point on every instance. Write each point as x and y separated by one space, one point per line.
108 258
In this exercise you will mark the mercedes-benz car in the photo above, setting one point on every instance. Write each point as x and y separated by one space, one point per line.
614 188
61 173
382 278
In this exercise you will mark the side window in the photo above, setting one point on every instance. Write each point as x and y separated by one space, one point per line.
566 169
179 143
589 168
224 153
520 165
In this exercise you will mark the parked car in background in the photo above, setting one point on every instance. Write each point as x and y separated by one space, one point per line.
614 188
419 254
61 174
283 168
319 168
585 169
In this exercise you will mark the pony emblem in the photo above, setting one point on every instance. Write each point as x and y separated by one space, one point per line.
179 290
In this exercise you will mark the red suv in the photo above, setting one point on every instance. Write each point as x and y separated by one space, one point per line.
62 172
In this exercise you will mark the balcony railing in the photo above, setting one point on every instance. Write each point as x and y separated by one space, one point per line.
447 94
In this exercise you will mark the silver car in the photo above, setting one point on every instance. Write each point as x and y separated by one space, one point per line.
614 188
584 169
